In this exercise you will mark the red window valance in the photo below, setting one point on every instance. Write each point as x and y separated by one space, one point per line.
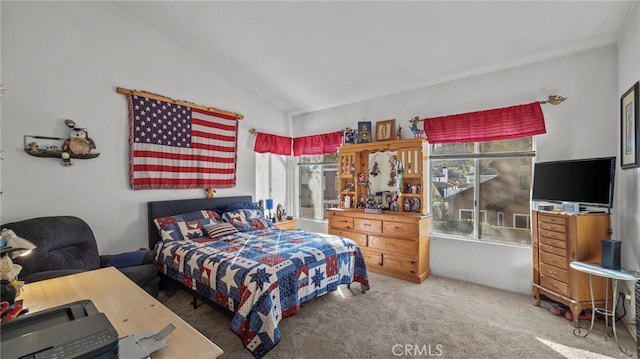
488 125
325 143
278 145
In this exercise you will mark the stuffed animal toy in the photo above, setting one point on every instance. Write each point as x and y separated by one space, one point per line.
210 192
79 142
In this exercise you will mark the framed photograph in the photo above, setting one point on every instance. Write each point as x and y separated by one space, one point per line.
385 130
349 136
364 132
386 198
629 121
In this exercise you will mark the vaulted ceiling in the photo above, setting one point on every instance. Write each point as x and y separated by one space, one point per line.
303 56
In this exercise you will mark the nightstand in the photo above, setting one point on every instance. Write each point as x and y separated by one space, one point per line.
288 224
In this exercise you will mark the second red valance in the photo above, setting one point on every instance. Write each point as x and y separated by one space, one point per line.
488 125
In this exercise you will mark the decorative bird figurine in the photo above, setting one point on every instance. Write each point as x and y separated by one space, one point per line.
79 142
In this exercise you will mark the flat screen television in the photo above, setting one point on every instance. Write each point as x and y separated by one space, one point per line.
586 181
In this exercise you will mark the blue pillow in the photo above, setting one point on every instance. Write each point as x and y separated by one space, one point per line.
235 206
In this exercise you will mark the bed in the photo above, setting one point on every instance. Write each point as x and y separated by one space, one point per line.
259 272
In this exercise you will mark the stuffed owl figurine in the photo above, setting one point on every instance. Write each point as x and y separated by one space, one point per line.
79 142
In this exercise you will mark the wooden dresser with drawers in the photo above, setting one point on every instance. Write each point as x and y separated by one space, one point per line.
395 244
559 239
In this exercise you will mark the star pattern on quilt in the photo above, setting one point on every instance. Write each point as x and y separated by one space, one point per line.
260 277
317 278
167 233
345 270
193 262
268 325
300 255
229 277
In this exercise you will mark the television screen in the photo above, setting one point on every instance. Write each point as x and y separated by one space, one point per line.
586 181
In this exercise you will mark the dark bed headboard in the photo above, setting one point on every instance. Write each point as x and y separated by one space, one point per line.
159 209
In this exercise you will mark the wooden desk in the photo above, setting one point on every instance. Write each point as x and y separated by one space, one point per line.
129 308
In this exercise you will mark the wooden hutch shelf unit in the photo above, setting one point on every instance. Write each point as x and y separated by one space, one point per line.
354 160
559 239
394 243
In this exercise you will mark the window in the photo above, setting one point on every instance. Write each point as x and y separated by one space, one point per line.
488 180
468 214
522 221
318 185
272 178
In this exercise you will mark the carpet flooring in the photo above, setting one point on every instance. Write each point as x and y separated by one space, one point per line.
441 317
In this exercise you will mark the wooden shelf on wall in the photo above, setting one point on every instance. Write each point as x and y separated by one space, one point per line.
58 154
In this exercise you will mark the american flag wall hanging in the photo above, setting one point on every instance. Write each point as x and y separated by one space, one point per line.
178 145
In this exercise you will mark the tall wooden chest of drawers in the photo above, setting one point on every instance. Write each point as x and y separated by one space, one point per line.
395 244
559 239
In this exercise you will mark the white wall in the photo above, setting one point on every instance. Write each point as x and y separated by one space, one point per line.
627 201
64 60
582 126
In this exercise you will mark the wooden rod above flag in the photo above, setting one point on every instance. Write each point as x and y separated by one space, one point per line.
124 91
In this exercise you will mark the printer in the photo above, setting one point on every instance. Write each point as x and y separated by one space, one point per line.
74 330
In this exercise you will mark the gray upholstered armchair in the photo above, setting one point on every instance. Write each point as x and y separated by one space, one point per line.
66 245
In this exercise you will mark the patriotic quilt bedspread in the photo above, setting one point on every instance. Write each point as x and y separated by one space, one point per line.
263 275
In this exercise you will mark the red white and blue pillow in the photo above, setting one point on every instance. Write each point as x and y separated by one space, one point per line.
187 225
218 230
246 219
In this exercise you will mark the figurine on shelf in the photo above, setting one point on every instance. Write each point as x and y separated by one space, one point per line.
349 187
407 205
399 133
210 192
393 206
66 159
417 133
33 146
79 142
280 214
